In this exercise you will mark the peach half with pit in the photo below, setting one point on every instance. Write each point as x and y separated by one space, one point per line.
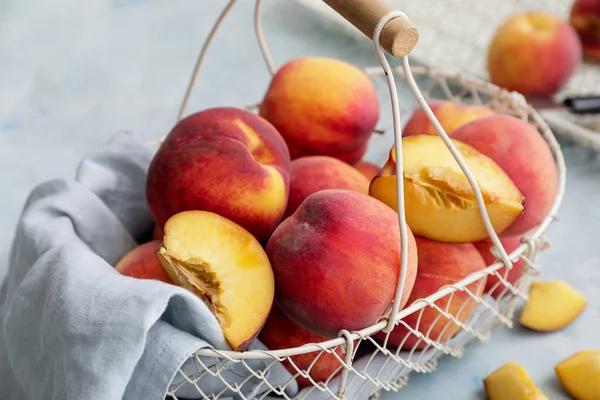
225 266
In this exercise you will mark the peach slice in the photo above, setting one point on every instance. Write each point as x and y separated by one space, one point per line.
580 374
224 265
440 204
551 306
512 382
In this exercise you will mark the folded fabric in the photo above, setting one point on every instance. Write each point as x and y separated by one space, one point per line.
74 328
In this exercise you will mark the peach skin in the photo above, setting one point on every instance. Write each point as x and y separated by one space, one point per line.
439 201
494 286
225 266
440 264
224 160
280 332
533 53
320 256
142 263
451 115
521 151
315 173
322 106
368 169
585 18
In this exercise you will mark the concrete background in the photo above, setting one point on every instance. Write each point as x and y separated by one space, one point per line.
71 75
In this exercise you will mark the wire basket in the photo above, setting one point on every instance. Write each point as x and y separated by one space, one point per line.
364 363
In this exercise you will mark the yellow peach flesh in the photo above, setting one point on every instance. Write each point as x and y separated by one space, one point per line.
580 374
551 306
512 382
439 201
225 266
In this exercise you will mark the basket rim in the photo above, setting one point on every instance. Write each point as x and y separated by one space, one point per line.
513 99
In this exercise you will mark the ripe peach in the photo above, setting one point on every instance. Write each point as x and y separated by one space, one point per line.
280 332
225 266
585 18
224 160
519 149
533 53
440 264
450 114
157 233
368 169
322 106
315 173
439 201
510 244
142 263
336 262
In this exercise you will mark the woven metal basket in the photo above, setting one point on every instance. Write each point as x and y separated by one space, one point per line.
365 365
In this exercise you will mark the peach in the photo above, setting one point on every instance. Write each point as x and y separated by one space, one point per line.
520 150
315 173
322 106
368 169
511 381
551 306
157 233
225 266
440 264
585 18
142 263
224 160
439 201
280 332
336 262
494 286
450 115
580 374
533 53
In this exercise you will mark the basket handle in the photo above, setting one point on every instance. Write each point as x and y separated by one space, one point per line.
398 37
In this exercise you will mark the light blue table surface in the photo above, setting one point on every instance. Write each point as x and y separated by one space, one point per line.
72 74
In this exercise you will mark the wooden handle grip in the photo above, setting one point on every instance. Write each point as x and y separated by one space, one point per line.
398 37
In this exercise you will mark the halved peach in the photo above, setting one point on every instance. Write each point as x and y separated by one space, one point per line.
439 201
551 306
512 382
580 374
142 263
224 265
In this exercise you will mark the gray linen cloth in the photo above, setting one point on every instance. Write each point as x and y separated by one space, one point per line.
74 328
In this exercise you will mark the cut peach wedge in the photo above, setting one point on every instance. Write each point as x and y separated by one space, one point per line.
439 201
225 266
512 382
551 306
580 374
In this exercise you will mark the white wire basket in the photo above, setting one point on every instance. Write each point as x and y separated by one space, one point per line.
364 363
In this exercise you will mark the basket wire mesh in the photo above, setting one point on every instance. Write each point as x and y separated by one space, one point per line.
365 362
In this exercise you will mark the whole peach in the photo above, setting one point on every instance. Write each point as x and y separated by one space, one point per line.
368 169
440 264
520 150
585 18
315 173
450 115
336 262
322 106
510 244
279 332
224 160
533 53
142 263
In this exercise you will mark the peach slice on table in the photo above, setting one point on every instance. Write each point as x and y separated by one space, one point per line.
551 306
439 201
512 382
225 266
142 263
580 374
